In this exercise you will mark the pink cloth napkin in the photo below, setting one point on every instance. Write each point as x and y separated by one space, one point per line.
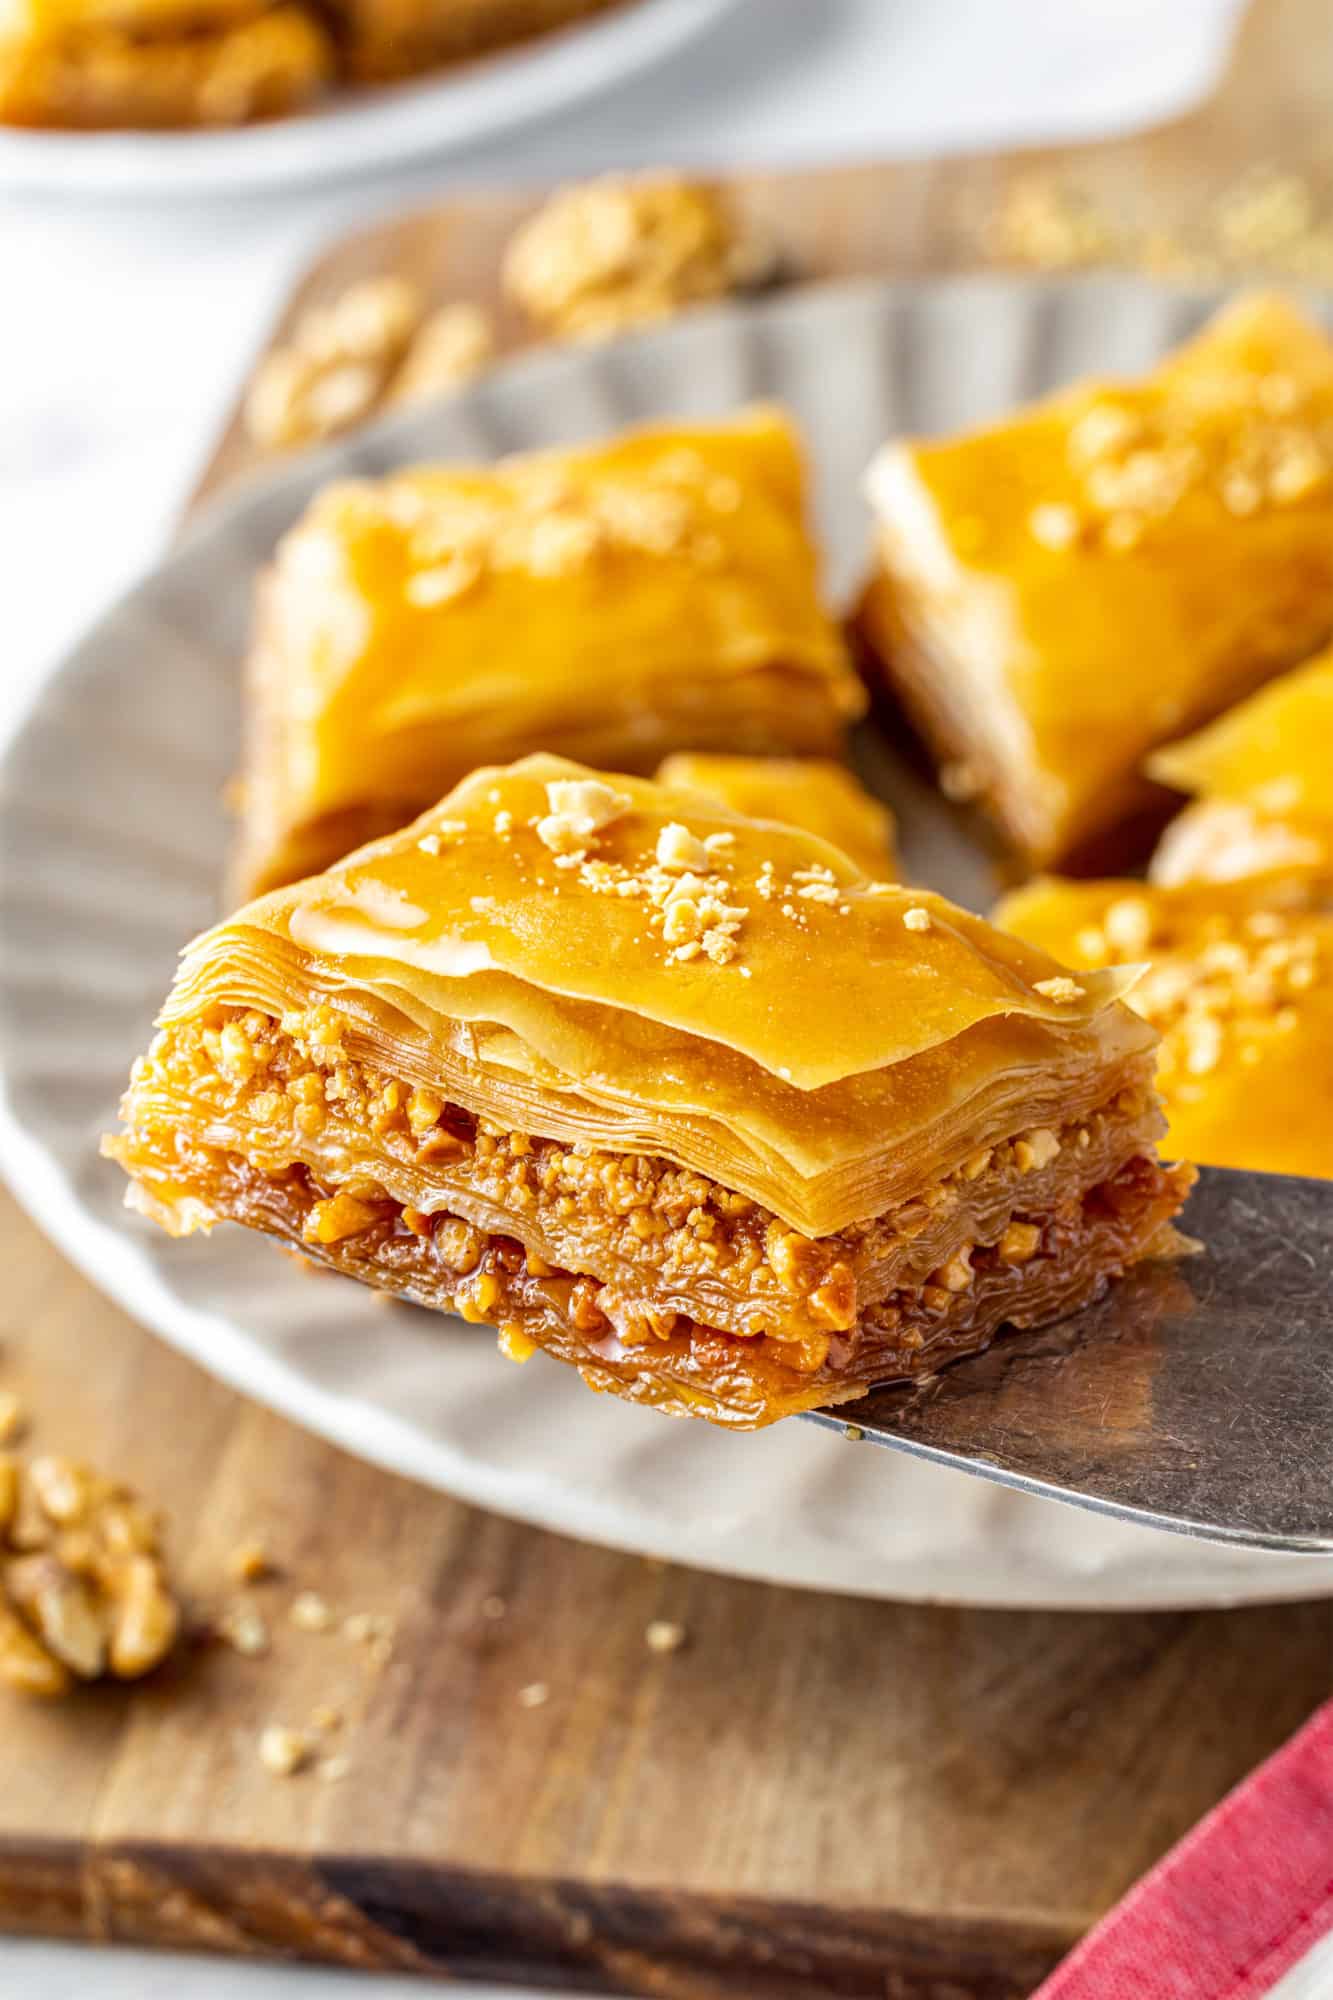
1242 1902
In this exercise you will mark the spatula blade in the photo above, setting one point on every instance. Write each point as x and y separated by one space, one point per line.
1196 1396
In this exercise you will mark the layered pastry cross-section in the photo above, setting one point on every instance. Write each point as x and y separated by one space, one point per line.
682 1097
612 603
1057 594
1262 783
1240 985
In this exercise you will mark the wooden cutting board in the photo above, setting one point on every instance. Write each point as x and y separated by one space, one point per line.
814 1795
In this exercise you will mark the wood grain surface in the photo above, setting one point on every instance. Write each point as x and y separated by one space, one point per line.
814 1795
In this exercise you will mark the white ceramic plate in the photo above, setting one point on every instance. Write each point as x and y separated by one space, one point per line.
111 843
361 132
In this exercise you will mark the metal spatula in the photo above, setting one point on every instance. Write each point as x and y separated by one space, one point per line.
1197 1396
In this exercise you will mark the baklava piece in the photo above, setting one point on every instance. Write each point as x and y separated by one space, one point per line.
682 1097
145 65
384 40
613 603
1239 984
811 792
1057 595
1262 780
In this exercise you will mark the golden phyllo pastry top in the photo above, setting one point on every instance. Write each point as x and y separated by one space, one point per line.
608 961
816 793
1113 566
1271 757
615 602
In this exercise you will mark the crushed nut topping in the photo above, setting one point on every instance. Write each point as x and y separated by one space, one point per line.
1063 991
83 1589
916 919
664 1635
678 848
535 1695
12 1417
579 809
1054 526
1218 985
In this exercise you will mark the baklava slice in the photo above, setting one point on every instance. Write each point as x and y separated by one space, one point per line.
383 40
612 603
1239 982
1262 780
1058 594
682 1097
103 64
816 793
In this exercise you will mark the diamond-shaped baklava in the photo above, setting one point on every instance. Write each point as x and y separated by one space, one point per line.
1240 985
613 603
683 1097
1262 780
1058 594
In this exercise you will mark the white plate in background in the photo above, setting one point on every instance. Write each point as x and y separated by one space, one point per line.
111 845
363 131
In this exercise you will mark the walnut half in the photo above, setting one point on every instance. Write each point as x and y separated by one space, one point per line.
83 1590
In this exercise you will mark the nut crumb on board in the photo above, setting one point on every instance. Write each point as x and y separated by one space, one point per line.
309 1612
244 1630
283 1751
249 1562
83 1587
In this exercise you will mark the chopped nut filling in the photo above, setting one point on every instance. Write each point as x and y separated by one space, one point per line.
663 1239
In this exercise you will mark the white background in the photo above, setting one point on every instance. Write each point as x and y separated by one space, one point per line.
124 329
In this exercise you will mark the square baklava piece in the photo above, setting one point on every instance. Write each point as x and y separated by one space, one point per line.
1056 595
1261 781
1238 981
89 64
682 1097
612 603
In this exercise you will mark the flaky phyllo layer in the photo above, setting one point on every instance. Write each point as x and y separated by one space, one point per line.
682 1096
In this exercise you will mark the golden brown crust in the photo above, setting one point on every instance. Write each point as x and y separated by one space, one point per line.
1058 594
1240 985
613 603
106 76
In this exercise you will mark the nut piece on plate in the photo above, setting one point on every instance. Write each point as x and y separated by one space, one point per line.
336 366
451 346
614 253
83 1590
